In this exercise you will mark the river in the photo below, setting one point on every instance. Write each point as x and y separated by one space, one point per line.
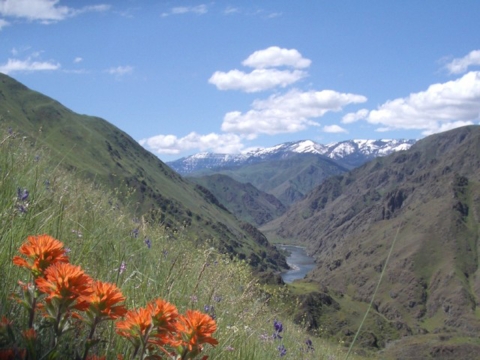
299 261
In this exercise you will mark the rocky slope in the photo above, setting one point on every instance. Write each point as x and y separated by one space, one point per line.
427 200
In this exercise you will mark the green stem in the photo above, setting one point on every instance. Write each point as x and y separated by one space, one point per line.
373 296
90 337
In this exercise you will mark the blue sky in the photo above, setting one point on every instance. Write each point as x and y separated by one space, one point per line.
182 77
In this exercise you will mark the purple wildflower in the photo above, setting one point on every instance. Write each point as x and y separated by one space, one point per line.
282 350
148 242
278 329
135 233
309 344
22 208
22 195
123 267
217 298
210 310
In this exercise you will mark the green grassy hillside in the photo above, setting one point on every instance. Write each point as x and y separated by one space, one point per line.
245 201
97 150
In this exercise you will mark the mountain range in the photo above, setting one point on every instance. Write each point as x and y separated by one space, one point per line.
348 153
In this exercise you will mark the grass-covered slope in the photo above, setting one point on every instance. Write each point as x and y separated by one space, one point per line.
430 195
245 201
97 150
138 255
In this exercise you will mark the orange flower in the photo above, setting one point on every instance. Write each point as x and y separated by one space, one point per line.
164 316
196 329
29 334
65 283
137 324
95 357
41 252
102 303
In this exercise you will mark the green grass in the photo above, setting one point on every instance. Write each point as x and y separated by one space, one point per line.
97 228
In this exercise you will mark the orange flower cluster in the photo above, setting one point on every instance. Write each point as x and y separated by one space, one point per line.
68 292
160 324
41 251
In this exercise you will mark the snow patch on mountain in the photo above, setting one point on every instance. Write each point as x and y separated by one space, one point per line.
350 153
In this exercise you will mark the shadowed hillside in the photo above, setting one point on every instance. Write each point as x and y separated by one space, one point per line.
245 201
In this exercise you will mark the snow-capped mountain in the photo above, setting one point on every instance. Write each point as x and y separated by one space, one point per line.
349 153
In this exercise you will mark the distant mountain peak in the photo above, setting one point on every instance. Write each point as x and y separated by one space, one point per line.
349 153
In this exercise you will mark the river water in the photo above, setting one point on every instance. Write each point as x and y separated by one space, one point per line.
299 261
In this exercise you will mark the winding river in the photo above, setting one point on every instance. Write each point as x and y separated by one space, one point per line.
299 261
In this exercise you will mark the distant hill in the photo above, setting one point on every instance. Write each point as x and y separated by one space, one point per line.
288 177
245 201
290 170
430 194
97 150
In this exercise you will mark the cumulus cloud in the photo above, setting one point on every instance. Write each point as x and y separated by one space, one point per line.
255 81
334 129
3 23
120 70
460 65
264 76
274 57
441 107
199 10
353 117
172 145
28 65
46 11
287 113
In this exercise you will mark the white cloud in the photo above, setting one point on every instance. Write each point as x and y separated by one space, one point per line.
3 23
231 10
334 129
43 10
353 117
170 144
15 65
288 113
120 70
77 60
460 65
442 106
264 76
199 10
255 81
274 57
